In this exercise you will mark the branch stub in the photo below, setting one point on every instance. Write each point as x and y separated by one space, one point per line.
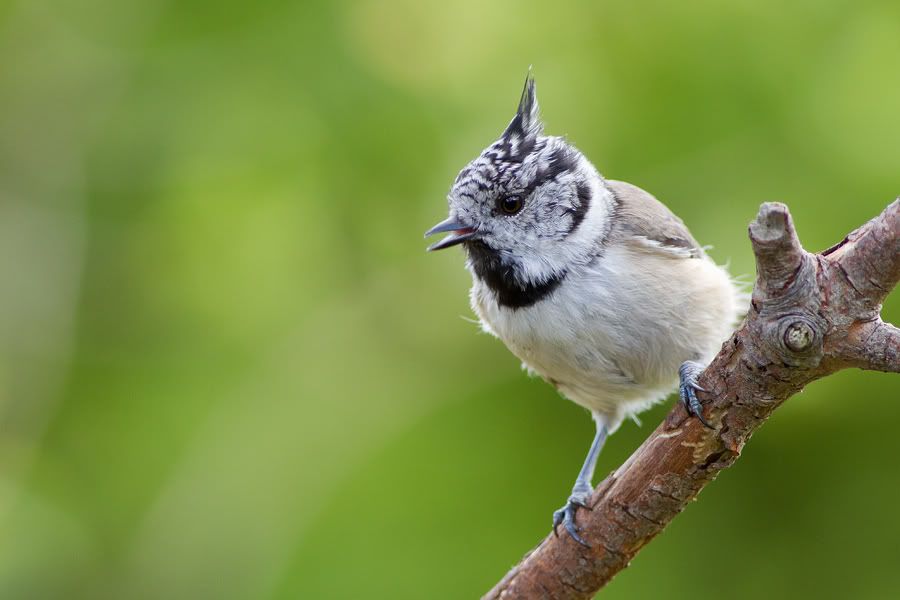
799 336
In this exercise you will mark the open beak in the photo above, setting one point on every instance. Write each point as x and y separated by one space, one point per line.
459 233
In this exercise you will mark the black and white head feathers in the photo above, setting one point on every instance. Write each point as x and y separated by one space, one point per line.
526 126
528 198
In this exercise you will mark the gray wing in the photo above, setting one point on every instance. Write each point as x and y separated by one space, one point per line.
643 220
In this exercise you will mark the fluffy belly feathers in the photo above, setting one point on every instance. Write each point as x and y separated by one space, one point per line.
604 342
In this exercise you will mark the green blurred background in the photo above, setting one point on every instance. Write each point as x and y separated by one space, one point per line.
228 369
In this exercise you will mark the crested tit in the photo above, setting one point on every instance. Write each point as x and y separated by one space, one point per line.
592 283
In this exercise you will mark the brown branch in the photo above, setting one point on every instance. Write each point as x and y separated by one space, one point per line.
859 255
875 346
811 315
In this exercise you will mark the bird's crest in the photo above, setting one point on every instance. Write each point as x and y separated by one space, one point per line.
526 125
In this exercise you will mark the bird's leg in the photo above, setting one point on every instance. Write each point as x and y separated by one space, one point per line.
687 389
581 491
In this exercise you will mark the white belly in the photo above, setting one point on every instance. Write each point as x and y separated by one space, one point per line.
611 337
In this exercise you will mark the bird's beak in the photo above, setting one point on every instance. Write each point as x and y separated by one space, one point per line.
460 232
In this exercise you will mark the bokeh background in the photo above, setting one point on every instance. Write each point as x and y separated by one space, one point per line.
229 370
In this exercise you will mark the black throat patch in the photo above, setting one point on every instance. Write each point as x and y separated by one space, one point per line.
500 279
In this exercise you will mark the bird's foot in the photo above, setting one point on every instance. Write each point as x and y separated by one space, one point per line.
687 389
581 493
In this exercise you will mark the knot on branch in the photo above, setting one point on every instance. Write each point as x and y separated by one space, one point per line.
798 339
789 324
799 336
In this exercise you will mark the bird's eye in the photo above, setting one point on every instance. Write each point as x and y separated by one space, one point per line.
510 205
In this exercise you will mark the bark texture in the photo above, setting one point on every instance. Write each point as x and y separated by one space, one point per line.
810 315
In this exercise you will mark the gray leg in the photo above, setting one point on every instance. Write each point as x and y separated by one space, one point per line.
688 387
581 491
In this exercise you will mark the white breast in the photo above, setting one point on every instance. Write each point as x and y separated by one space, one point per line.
612 336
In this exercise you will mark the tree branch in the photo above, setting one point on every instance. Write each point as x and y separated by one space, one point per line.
810 315
870 256
875 346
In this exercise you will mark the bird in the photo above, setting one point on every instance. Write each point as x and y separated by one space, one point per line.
594 284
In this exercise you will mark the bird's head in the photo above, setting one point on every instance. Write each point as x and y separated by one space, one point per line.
529 204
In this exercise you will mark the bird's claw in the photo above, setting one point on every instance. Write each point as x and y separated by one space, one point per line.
687 390
566 516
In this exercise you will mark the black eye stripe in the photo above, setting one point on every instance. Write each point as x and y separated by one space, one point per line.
584 203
